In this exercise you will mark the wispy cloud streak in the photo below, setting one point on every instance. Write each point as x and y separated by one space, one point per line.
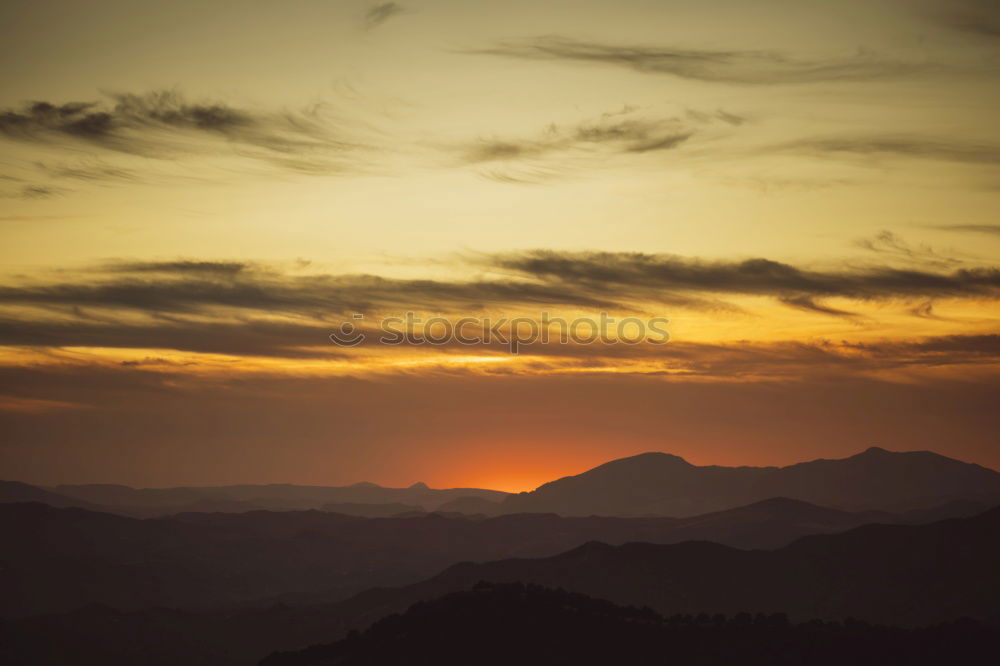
913 147
714 66
165 125
381 13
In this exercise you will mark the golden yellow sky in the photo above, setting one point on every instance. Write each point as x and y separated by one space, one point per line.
192 194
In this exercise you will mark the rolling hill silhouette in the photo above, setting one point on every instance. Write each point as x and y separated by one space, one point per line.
363 498
525 624
15 492
226 589
649 484
60 559
891 574
663 484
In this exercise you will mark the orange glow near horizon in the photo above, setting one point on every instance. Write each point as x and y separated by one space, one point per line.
525 467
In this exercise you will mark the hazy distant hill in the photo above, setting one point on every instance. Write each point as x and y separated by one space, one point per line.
372 510
473 506
662 484
650 484
59 559
151 502
896 574
500 625
893 574
14 491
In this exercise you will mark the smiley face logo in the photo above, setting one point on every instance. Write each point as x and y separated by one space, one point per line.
348 335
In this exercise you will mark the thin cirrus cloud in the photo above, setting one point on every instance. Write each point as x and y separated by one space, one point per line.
891 245
976 17
632 136
991 229
561 149
809 304
32 192
913 147
713 66
89 171
381 13
165 125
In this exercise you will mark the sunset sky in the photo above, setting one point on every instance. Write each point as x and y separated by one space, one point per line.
195 194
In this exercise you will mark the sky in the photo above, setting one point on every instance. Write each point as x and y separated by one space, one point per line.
194 195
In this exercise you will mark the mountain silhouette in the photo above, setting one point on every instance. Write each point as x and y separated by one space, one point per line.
372 510
60 559
664 484
472 506
890 574
498 625
154 502
898 539
15 491
649 484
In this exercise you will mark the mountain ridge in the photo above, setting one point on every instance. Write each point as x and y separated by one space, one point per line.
900 576
874 572
56 559
657 483
653 483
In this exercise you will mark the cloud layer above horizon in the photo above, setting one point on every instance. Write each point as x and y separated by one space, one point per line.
194 199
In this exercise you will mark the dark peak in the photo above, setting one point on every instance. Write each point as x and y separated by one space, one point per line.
879 452
365 484
927 457
589 548
660 455
651 458
419 485
876 454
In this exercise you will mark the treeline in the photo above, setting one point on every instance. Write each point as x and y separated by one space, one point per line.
526 624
